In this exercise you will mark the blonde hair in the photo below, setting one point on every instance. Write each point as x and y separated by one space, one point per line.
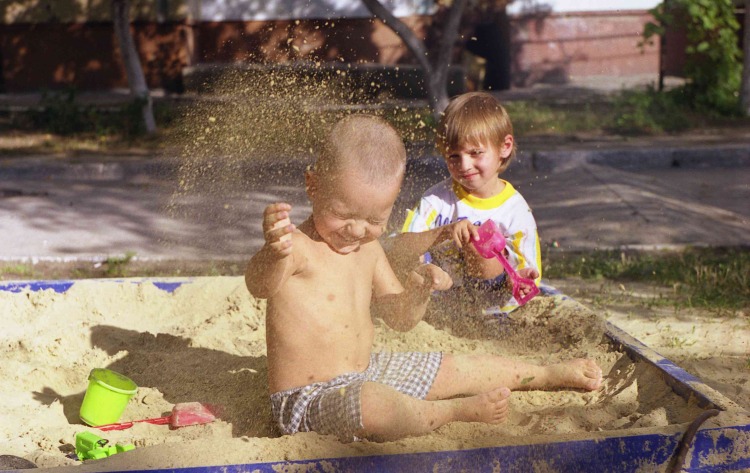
365 143
474 117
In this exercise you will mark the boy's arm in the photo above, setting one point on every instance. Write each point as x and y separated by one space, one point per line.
522 250
403 307
524 247
524 253
272 265
406 249
417 236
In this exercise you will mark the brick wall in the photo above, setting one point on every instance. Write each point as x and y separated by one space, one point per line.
544 48
556 47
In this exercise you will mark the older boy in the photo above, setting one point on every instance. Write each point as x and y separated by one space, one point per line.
475 137
320 279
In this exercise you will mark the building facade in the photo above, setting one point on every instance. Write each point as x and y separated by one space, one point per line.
59 43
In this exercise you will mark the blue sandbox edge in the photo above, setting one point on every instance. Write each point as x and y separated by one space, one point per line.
34 286
714 449
613 454
61 286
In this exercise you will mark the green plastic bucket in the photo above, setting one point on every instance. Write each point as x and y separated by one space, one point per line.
106 397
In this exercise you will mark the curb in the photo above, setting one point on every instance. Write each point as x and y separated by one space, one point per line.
699 157
726 156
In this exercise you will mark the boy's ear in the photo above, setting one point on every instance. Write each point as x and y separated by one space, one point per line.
311 183
506 149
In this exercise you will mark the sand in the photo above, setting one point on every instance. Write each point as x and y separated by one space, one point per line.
206 342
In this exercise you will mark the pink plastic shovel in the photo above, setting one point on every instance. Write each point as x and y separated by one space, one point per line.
183 413
492 243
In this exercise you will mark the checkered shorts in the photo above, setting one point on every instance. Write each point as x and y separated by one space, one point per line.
333 407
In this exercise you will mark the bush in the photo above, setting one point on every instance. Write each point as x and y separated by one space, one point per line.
59 113
650 112
714 60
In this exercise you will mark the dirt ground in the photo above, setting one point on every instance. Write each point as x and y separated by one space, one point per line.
712 345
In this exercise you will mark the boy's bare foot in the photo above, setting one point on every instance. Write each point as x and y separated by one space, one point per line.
490 407
579 373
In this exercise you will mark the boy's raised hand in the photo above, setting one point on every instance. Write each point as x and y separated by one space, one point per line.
277 228
463 232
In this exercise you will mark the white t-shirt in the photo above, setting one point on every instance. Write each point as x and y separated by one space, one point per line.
447 202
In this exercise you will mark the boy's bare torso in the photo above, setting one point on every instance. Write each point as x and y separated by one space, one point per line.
319 324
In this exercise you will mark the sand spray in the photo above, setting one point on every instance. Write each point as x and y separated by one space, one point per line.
248 140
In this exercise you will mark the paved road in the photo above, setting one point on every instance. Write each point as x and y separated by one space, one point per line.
92 209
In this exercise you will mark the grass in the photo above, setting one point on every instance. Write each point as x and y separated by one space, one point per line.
18 140
532 117
64 126
118 267
701 277
715 278
679 342
61 125
17 271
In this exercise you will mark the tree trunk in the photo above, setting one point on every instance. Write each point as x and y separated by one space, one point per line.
445 54
136 79
435 71
745 91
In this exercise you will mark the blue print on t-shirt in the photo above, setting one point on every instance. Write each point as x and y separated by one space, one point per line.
440 220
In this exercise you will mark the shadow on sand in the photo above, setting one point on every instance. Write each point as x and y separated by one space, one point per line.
167 363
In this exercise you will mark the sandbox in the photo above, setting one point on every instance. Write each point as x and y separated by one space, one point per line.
203 339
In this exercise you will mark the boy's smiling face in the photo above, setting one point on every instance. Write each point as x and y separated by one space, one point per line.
348 211
475 166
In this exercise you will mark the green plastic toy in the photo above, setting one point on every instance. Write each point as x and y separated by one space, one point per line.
92 447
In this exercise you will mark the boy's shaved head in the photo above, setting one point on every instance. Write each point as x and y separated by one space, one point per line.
365 144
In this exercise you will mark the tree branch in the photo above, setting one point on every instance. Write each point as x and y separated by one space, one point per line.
445 53
415 45
745 90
